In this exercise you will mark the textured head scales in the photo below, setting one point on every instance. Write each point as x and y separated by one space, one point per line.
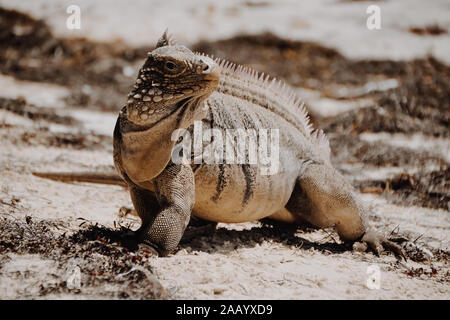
171 76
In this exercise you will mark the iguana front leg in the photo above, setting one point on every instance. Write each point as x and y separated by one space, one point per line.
325 199
165 217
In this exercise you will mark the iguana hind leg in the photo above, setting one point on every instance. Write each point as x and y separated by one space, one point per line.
324 198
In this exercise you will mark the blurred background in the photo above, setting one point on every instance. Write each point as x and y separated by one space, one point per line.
375 76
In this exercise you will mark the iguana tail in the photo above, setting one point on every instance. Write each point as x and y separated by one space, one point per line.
101 178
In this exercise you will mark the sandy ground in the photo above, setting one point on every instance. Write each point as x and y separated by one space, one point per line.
399 160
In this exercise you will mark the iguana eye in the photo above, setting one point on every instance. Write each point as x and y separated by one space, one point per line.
171 66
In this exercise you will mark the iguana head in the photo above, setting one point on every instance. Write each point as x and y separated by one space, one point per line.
172 77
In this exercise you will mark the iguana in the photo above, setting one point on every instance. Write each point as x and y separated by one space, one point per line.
177 88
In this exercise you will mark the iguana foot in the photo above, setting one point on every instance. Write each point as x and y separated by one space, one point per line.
378 243
148 246
138 238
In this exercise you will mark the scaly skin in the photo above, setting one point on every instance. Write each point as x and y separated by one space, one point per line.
176 87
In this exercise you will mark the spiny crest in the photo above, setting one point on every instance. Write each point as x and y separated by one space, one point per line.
293 102
266 81
166 40
323 142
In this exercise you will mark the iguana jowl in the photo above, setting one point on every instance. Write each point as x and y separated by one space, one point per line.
176 87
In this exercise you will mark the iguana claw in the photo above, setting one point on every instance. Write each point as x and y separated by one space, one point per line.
378 243
150 247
